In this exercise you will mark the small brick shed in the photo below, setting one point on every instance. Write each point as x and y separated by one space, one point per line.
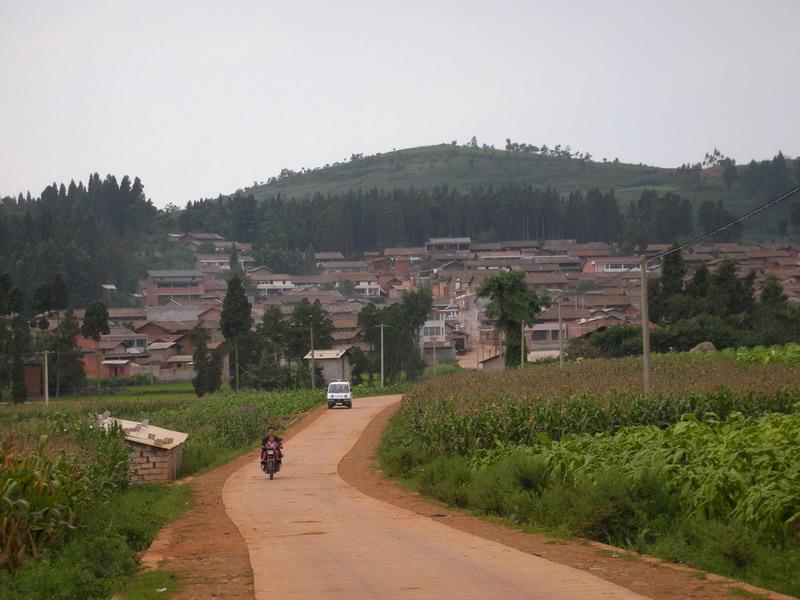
156 452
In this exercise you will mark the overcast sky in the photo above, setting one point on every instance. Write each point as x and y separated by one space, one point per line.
199 98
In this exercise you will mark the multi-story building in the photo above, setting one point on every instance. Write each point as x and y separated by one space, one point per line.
182 286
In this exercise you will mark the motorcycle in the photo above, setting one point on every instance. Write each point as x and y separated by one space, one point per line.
270 459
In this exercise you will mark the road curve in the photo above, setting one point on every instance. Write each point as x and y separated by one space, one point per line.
311 535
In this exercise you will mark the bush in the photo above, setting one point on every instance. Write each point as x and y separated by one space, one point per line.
446 479
98 561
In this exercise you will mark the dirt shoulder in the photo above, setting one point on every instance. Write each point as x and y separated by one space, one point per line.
204 547
648 576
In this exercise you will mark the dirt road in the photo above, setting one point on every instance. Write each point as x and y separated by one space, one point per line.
311 535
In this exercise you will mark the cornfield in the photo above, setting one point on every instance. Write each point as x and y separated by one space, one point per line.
471 411
56 464
744 471
43 499
790 353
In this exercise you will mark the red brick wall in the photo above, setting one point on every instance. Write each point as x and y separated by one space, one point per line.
33 380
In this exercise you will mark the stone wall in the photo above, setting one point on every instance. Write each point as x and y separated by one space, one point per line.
150 464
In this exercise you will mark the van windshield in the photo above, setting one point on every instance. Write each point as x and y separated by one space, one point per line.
339 388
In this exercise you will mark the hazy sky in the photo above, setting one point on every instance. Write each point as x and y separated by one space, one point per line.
199 98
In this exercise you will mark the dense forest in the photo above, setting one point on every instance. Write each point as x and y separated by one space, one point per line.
359 220
109 232
103 232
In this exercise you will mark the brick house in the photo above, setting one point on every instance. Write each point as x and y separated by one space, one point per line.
180 285
156 452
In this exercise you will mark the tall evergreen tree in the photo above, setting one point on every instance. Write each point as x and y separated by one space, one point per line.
236 319
68 368
673 271
59 295
207 368
95 324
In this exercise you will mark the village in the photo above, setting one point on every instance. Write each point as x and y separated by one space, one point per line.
588 286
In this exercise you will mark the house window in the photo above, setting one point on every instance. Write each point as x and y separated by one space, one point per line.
539 336
432 331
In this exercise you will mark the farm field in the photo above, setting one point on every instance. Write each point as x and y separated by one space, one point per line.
65 482
704 471
157 392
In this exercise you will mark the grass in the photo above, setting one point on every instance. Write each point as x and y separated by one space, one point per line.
743 593
152 585
157 392
101 558
426 167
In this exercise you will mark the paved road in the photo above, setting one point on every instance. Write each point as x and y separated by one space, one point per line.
312 536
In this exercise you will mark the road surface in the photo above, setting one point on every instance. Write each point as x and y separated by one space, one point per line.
310 535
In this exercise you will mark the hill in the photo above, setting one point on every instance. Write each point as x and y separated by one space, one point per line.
463 168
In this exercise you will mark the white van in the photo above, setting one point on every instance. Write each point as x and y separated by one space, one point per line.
339 394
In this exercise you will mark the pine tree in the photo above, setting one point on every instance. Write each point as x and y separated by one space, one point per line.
233 261
199 338
59 295
42 304
20 345
673 271
236 319
95 324
68 364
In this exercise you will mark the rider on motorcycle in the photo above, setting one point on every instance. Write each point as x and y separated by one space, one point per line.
276 442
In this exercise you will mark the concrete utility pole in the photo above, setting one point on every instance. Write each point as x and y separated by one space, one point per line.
313 374
381 355
560 337
434 358
645 327
522 344
46 386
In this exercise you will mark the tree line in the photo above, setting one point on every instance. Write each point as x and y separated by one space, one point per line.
18 345
718 307
103 232
366 220
107 231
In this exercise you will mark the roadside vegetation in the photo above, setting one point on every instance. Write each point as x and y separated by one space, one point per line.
72 523
704 471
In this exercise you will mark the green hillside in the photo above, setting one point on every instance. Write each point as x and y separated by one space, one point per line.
464 167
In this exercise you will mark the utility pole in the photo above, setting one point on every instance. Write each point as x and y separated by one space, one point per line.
381 355
434 358
560 337
46 386
522 344
645 327
313 374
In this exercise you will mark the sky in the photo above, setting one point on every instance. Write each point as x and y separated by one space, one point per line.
200 97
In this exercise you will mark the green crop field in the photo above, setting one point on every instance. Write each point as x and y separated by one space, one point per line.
703 471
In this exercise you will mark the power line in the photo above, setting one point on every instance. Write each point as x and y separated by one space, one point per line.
705 236
744 217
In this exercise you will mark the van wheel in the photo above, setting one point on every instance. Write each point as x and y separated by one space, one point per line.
349 405
330 406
